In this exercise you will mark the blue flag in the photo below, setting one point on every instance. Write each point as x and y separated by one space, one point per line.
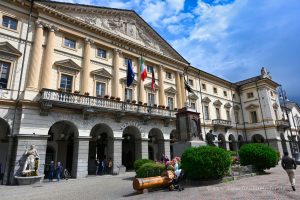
130 73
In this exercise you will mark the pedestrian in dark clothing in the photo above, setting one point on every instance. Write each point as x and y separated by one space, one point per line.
51 170
97 166
289 165
59 170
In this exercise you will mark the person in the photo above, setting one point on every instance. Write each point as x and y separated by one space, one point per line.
97 166
162 158
59 170
175 183
51 170
110 165
289 165
66 174
103 164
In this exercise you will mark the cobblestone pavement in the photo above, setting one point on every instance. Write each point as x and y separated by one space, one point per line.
264 187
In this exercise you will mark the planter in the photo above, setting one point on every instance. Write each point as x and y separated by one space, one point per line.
112 98
106 96
76 92
140 103
23 180
134 101
167 107
128 100
87 94
145 104
118 99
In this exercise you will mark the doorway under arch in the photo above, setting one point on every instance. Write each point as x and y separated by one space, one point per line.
257 138
156 142
232 143
4 132
222 141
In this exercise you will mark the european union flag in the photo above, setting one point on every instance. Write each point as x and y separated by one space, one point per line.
130 73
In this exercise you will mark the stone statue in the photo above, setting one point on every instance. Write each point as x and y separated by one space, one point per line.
265 73
30 163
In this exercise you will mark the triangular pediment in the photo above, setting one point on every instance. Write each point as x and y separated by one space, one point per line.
149 86
217 103
252 106
123 23
102 73
193 96
7 48
170 90
206 100
227 105
68 63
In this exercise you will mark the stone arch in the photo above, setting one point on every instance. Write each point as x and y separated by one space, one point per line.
257 138
222 141
4 132
232 143
240 141
63 136
131 146
100 147
210 138
156 142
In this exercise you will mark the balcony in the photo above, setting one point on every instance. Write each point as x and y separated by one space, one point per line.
282 124
90 104
221 123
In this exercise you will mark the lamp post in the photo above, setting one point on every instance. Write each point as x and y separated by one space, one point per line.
294 147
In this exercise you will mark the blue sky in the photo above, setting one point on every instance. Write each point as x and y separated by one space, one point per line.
232 39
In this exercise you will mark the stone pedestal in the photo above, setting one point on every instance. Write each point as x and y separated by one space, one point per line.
180 147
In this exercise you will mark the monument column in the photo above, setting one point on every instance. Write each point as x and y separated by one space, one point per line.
48 58
36 57
178 88
85 80
183 90
116 87
161 86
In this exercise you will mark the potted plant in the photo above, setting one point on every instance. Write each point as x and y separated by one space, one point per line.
128 100
155 105
167 107
140 103
76 92
134 101
59 89
112 97
145 104
106 96
118 98
87 94
163 107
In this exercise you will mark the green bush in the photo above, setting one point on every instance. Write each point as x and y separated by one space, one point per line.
138 163
205 163
259 155
150 169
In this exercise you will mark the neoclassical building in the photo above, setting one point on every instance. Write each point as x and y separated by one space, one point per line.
63 88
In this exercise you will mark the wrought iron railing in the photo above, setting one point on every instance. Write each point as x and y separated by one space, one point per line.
69 99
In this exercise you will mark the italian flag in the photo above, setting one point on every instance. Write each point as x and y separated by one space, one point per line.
143 69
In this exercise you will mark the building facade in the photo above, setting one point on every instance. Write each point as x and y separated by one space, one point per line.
63 88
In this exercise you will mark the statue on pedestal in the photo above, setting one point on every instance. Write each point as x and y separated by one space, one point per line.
31 164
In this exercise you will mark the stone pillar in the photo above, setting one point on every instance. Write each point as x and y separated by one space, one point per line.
80 157
178 88
36 58
142 93
23 143
183 93
116 87
161 81
117 155
48 59
85 78
167 148
144 148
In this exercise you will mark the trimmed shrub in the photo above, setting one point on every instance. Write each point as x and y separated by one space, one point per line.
205 163
138 163
150 169
259 155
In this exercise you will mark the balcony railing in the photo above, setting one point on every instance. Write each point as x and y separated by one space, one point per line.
221 123
65 99
282 124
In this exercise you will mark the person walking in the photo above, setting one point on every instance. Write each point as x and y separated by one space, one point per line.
97 166
51 171
59 170
289 165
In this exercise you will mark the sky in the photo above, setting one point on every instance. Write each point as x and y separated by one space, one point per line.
232 39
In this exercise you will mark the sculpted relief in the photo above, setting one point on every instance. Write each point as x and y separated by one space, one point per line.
120 24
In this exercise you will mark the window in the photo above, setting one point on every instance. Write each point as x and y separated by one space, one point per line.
250 95
215 90
149 69
218 113
203 86
151 99
9 22
4 74
70 43
170 103
236 114
225 93
191 82
126 61
193 105
128 94
228 115
100 89
206 113
101 53
168 75
66 82
254 117
276 114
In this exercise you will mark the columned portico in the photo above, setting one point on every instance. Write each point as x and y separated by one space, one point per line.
48 59
36 58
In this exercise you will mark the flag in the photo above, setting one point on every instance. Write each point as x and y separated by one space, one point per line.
153 81
143 69
188 87
130 73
